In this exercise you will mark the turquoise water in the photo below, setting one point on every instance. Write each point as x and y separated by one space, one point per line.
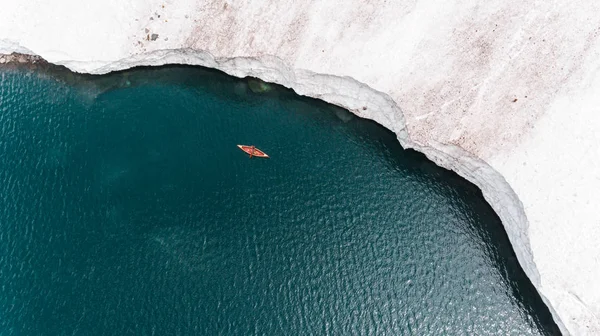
126 208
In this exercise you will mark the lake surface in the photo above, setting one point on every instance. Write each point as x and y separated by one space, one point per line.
127 209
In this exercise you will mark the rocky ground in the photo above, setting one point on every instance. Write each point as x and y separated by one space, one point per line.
21 59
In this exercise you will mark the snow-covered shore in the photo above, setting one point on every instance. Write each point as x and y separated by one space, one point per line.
506 93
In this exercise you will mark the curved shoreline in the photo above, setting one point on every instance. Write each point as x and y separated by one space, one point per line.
503 92
367 103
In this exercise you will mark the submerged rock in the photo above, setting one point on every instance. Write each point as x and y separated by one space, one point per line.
343 114
240 89
258 86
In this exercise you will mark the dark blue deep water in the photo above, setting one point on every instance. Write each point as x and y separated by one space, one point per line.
127 209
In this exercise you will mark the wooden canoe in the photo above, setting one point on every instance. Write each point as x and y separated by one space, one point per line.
253 151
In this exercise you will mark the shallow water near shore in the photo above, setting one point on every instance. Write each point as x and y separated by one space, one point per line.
126 208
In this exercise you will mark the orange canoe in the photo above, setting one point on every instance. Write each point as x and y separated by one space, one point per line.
253 151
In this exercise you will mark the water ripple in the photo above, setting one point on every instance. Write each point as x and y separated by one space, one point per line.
127 209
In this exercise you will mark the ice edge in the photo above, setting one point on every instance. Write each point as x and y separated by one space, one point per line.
363 101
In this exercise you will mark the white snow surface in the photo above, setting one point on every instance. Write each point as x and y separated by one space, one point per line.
504 92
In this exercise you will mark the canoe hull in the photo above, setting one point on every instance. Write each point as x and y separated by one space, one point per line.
249 150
